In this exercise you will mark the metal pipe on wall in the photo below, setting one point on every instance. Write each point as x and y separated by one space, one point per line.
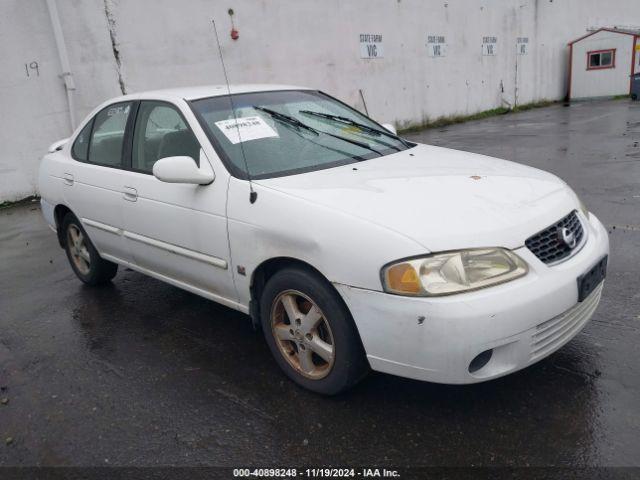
66 75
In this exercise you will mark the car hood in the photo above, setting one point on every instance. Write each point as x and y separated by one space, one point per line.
443 199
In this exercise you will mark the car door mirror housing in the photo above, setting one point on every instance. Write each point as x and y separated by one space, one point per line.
390 127
181 169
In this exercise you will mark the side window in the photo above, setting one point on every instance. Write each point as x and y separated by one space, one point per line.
161 132
107 138
80 147
601 59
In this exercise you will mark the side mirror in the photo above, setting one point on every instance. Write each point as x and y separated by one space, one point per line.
181 170
390 127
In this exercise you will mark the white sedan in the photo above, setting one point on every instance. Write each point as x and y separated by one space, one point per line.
351 247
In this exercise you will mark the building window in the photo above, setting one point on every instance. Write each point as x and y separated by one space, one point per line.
600 59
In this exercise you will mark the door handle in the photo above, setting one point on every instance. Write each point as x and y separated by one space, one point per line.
130 194
68 179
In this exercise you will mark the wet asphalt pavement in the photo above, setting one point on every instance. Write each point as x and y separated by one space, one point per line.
142 373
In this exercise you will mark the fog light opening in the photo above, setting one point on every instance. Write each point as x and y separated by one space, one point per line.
480 361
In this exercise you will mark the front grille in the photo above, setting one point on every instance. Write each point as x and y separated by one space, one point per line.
548 246
554 333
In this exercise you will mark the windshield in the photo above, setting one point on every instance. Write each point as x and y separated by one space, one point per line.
288 132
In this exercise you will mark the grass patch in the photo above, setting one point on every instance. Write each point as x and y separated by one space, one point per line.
17 203
621 97
451 120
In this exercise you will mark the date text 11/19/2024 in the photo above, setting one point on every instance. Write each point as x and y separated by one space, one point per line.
316 472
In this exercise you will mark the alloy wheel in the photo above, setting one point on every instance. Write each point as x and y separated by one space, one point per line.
303 334
78 249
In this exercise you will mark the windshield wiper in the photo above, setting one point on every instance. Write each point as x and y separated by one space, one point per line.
288 120
353 123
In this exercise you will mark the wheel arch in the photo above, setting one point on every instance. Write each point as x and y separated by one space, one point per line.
59 212
265 270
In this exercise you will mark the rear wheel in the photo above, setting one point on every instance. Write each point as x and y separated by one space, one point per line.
310 332
83 257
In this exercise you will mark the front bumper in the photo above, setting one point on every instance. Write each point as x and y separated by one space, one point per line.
523 321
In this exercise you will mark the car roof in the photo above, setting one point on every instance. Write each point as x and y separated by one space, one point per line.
204 91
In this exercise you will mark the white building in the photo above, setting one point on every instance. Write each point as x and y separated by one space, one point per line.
404 61
601 63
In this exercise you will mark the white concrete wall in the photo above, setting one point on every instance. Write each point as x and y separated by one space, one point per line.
601 82
162 43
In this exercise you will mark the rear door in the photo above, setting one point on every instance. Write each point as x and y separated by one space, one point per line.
177 231
93 183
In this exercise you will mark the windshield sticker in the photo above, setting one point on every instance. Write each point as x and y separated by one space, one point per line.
249 128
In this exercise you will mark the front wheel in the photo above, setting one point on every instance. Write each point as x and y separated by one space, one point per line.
83 257
310 332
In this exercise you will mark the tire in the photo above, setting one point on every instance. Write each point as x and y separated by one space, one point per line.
634 96
82 255
301 346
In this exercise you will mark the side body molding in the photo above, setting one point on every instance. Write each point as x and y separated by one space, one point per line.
201 257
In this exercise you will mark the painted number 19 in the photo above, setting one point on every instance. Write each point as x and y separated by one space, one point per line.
32 69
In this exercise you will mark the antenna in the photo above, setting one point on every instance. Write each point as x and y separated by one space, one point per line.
253 195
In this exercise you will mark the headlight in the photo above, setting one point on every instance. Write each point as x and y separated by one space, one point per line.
452 272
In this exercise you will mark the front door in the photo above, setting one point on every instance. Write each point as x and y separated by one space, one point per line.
176 231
